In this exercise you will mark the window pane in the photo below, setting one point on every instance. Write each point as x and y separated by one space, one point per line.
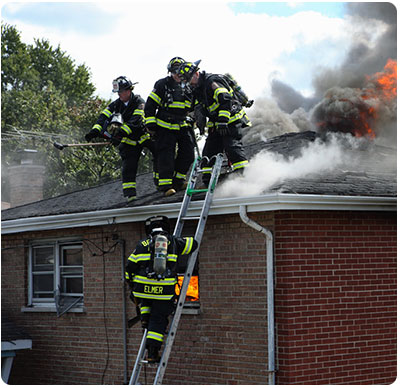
71 256
71 270
43 258
43 286
73 285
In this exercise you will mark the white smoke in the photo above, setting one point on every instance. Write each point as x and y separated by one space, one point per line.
267 169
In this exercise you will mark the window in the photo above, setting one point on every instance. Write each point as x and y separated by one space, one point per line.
56 275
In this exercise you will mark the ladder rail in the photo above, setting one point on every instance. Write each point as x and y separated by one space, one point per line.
202 219
188 273
138 365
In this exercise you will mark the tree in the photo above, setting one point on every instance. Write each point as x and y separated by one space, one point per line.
47 97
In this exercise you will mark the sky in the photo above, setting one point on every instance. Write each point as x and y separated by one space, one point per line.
254 41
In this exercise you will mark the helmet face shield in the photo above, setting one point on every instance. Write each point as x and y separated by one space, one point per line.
187 70
122 83
174 64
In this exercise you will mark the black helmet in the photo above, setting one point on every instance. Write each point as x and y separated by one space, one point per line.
187 69
157 224
174 64
122 83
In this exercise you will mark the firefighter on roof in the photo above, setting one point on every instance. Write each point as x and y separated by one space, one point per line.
125 118
166 112
151 274
226 116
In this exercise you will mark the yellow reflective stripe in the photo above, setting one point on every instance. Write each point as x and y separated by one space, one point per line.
180 104
241 164
224 113
237 116
98 127
143 138
179 175
213 107
139 112
218 91
151 120
167 125
163 182
126 129
106 112
127 275
161 282
155 97
139 257
188 246
172 257
152 296
206 170
145 309
155 336
129 185
129 141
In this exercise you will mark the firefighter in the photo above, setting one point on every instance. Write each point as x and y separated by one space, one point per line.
226 116
152 283
166 112
125 116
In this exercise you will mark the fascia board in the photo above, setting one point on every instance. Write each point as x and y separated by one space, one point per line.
220 206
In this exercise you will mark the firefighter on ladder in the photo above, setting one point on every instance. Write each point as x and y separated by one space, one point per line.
125 116
151 274
166 112
225 113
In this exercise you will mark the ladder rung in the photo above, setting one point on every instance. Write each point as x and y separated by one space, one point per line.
193 191
190 218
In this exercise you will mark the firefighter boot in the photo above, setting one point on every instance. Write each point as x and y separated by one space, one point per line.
169 192
152 354
132 195
179 184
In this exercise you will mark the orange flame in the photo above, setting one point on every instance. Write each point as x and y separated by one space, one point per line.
193 289
386 81
381 88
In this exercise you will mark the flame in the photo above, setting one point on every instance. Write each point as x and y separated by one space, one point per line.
386 81
193 289
364 107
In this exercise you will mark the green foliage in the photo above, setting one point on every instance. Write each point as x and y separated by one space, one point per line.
46 97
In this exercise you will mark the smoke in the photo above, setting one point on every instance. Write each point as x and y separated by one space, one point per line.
268 120
343 99
334 153
349 109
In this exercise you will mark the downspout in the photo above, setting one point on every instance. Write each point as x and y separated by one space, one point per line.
124 326
270 291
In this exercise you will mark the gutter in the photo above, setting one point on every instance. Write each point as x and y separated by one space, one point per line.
270 290
269 202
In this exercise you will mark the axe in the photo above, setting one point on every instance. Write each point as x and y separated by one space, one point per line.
62 146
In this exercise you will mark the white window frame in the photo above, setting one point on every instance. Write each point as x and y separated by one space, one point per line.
59 246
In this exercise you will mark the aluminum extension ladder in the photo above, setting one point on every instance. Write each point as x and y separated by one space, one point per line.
196 172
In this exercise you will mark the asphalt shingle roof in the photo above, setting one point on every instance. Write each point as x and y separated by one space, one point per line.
367 180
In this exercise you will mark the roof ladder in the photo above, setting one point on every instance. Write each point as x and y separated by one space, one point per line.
197 171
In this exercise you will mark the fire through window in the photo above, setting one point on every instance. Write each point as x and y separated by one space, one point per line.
192 294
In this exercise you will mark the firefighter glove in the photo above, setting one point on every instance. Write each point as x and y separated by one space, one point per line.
151 128
115 140
91 135
222 128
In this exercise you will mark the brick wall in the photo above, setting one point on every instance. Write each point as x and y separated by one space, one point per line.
336 297
335 305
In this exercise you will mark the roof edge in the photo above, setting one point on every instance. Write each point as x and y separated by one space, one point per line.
268 202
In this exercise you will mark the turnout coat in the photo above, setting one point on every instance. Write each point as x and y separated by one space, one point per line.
139 268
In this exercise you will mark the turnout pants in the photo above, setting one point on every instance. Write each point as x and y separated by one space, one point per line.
231 144
130 156
156 313
173 165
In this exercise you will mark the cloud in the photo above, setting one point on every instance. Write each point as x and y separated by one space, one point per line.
138 38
